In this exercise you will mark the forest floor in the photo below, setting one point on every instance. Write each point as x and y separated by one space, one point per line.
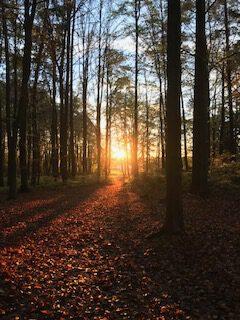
84 252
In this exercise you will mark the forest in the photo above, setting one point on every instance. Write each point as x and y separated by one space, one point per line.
119 159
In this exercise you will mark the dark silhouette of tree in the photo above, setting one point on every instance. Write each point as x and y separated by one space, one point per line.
23 105
174 214
137 8
11 125
201 106
232 142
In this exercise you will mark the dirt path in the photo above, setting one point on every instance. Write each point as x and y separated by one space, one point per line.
82 253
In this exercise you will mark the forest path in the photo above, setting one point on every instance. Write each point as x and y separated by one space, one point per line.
82 253
73 254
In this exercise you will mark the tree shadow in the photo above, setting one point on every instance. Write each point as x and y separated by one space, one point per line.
33 220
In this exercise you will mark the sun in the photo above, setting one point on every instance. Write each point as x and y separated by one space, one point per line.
118 154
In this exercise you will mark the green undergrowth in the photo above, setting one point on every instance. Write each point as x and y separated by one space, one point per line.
224 178
51 184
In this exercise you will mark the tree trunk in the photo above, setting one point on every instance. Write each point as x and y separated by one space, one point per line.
99 93
84 152
174 215
24 96
161 119
135 127
222 125
184 134
2 145
35 140
107 125
63 120
201 106
54 124
232 142
71 113
147 125
84 99
65 113
10 125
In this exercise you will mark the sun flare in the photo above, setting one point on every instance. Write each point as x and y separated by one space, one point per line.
118 154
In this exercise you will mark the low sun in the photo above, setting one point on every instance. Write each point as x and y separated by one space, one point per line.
119 154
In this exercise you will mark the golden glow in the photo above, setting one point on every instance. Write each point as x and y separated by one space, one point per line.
118 153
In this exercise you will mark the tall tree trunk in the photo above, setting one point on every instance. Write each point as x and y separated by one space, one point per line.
65 113
214 124
2 144
184 134
201 106
99 93
85 91
54 124
161 119
147 125
63 120
222 124
174 213
135 126
107 125
125 136
35 140
110 129
84 151
232 142
24 96
71 113
10 125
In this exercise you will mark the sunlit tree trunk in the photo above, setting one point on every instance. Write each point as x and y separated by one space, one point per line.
201 106
174 213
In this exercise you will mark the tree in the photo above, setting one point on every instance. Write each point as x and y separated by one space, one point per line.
174 213
71 111
11 125
201 106
222 124
232 142
29 14
99 81
2 138
184 133
137 8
